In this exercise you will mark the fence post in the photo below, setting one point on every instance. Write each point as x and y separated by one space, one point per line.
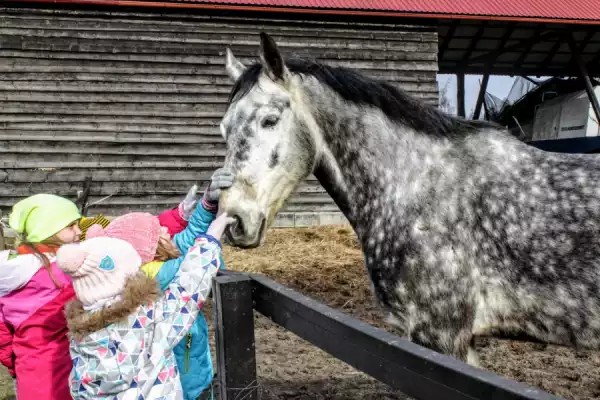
236 357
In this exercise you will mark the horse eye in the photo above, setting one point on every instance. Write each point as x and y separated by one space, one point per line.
270 121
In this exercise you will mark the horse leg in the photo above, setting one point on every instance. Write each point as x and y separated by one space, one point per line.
445 339
439 317
446 327
472 356
451 342
397 323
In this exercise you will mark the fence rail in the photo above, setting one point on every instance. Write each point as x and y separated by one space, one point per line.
412 369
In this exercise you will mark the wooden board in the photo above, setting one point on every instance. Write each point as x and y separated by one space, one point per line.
134 99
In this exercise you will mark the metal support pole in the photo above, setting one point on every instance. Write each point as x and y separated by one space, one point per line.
585 76
460 95
482 89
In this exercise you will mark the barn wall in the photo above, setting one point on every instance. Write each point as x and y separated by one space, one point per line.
135 100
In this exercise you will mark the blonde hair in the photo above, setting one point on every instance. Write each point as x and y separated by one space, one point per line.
166 250
52 241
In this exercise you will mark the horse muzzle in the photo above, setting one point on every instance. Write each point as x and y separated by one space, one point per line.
247 231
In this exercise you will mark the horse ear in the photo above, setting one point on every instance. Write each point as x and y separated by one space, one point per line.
271 58
233 66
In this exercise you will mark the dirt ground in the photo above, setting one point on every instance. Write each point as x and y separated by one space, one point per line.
326 264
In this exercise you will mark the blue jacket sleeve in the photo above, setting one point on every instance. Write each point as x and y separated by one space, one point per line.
197 226
167 272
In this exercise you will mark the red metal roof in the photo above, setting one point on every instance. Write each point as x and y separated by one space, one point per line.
570 11
561 9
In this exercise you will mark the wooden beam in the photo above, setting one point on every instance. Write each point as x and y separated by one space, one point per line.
585 76
553 50
234 322
416 371
488 65
527 49
460 95
530 80
548 70
446 42
501 49
593 64
581 47
501 46
586 40
481 95
474 42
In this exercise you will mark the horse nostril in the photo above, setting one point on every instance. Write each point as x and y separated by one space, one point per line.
237 228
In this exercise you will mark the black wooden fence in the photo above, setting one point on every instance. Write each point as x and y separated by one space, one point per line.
414 370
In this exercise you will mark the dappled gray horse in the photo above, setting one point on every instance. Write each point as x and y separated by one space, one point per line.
466 230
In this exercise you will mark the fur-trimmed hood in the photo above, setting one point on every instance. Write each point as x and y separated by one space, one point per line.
138 290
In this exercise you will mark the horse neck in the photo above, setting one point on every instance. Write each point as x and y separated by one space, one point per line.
372 167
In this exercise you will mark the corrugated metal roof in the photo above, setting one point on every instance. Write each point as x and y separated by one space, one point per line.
555 9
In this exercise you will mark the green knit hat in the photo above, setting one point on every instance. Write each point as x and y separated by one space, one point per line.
41 216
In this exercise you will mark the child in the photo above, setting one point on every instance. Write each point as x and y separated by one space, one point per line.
33 291
45 222
176 219
160 261
123 328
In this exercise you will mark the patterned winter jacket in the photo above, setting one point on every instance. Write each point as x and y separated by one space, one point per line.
126 351
193 352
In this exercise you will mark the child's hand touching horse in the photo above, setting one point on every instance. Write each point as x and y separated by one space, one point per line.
221 179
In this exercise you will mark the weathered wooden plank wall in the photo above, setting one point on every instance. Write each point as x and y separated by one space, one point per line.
135 100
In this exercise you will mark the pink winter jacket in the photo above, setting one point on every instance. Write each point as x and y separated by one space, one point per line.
33 328
172 221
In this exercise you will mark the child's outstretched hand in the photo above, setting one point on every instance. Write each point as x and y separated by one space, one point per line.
218 226
188 205
221 179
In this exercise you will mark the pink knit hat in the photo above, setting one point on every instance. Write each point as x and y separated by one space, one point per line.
141 230
99 268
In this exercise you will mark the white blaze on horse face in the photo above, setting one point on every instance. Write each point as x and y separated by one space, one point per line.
267 152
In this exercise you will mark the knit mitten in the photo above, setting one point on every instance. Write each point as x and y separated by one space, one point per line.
188 205
222 179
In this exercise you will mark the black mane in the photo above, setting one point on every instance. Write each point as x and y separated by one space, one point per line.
357 88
